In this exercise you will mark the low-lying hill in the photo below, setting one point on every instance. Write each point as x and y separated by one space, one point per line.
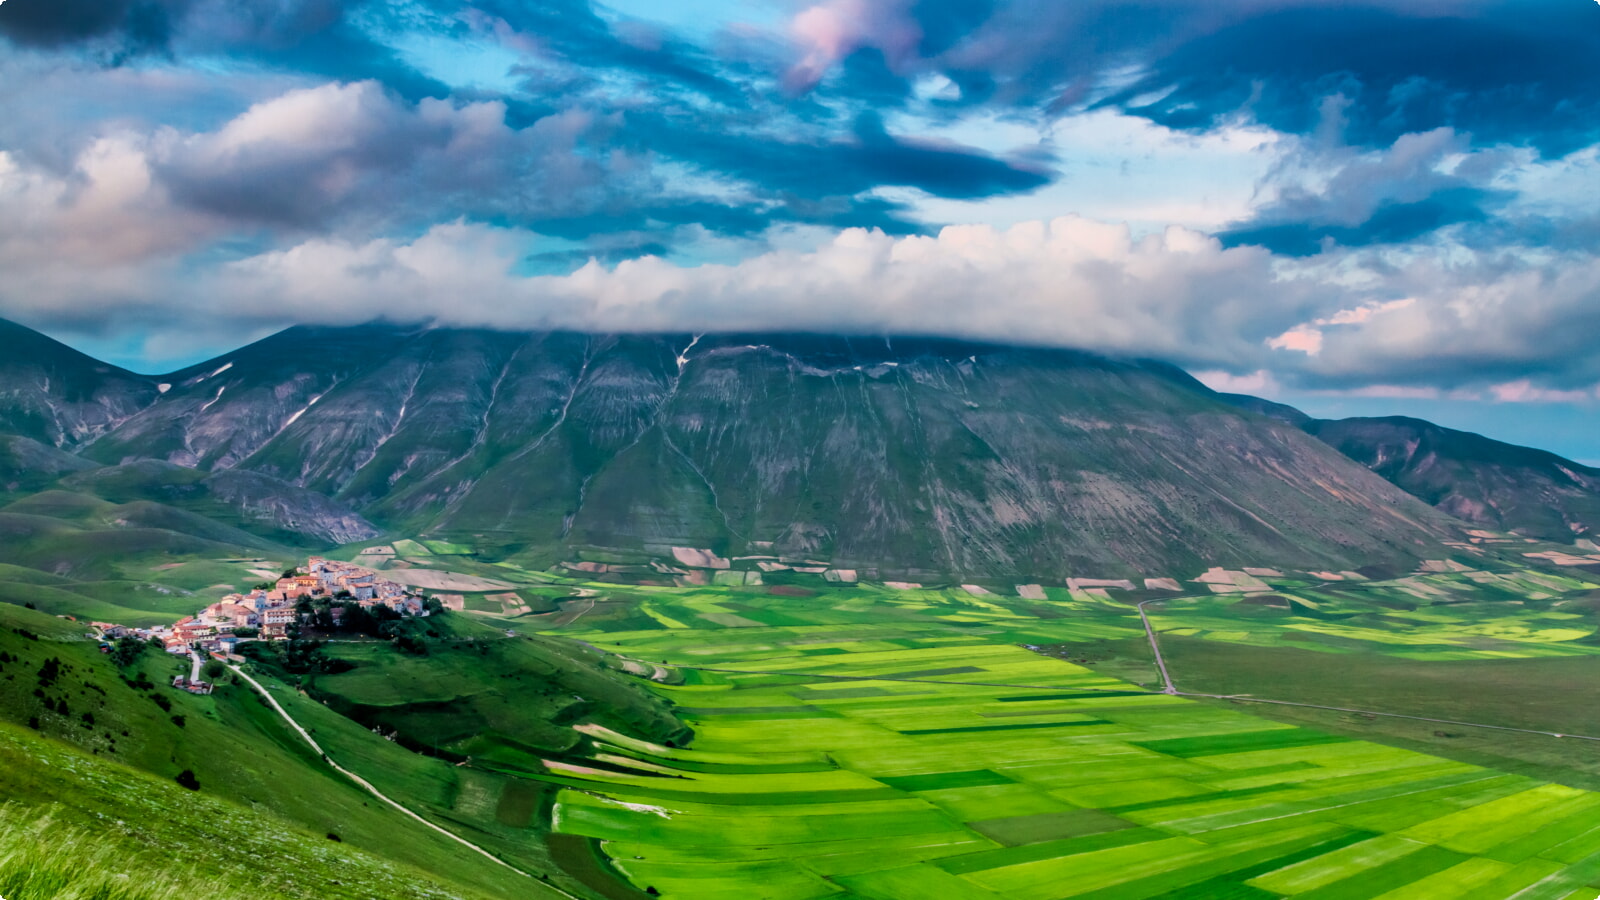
110 741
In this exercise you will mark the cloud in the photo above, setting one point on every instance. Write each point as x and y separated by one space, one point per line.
1355 198
1477 317
1177 295
1260 383
128 25
830 32
1071 281
310 157
1525 391
356 156
1505 73
1307 336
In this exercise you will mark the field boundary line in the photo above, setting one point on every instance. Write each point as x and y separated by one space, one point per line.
1172 689
1021 687
369 788
1372 712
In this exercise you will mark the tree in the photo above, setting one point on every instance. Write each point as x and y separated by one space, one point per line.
127 650
411 645
213 669
290 572
246 631
186 779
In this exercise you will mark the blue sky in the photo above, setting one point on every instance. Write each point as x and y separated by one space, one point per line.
1354 207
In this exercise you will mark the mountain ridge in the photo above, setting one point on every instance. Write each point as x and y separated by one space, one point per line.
920 456
916 454
1480 480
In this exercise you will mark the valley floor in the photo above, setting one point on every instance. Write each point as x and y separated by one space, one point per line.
906 744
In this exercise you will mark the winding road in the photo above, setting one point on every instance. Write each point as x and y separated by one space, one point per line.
369 788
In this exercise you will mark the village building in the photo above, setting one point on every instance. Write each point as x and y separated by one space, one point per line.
272 611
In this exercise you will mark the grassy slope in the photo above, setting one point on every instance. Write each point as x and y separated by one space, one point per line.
483 695
238 748
119 821
137 563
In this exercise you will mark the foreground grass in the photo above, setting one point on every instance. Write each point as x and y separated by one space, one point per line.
41 859
107 820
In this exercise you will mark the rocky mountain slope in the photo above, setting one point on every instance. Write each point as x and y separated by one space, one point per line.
920 457
57 396
1479 480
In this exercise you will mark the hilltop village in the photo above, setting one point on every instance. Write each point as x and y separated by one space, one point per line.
267 612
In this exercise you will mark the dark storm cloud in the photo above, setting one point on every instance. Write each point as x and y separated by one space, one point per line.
573 31
1389 223
1392 196
1524 73
821 167
126 25
1521 74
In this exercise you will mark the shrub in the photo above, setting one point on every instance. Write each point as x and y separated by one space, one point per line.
127 650
186 779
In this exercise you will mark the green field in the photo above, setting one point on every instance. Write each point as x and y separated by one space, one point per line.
863 742
807 739
1047 791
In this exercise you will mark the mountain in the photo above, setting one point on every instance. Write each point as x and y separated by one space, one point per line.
1483 481
1477 479
1283 412
57 396
920 457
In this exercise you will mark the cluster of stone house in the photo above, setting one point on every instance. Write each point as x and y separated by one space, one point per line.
270 611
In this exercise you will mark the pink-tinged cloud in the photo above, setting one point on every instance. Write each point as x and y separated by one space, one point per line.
1525 391
1306 339
1259 383
828 32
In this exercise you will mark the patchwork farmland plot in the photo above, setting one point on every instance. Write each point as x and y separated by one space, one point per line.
877 743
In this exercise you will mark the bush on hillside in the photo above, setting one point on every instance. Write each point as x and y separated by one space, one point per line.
126 651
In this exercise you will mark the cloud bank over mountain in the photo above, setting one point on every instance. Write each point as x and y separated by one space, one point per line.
1384 198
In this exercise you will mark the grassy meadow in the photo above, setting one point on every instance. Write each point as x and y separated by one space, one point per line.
860 741
745 734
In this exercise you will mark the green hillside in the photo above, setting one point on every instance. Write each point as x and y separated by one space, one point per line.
58 691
